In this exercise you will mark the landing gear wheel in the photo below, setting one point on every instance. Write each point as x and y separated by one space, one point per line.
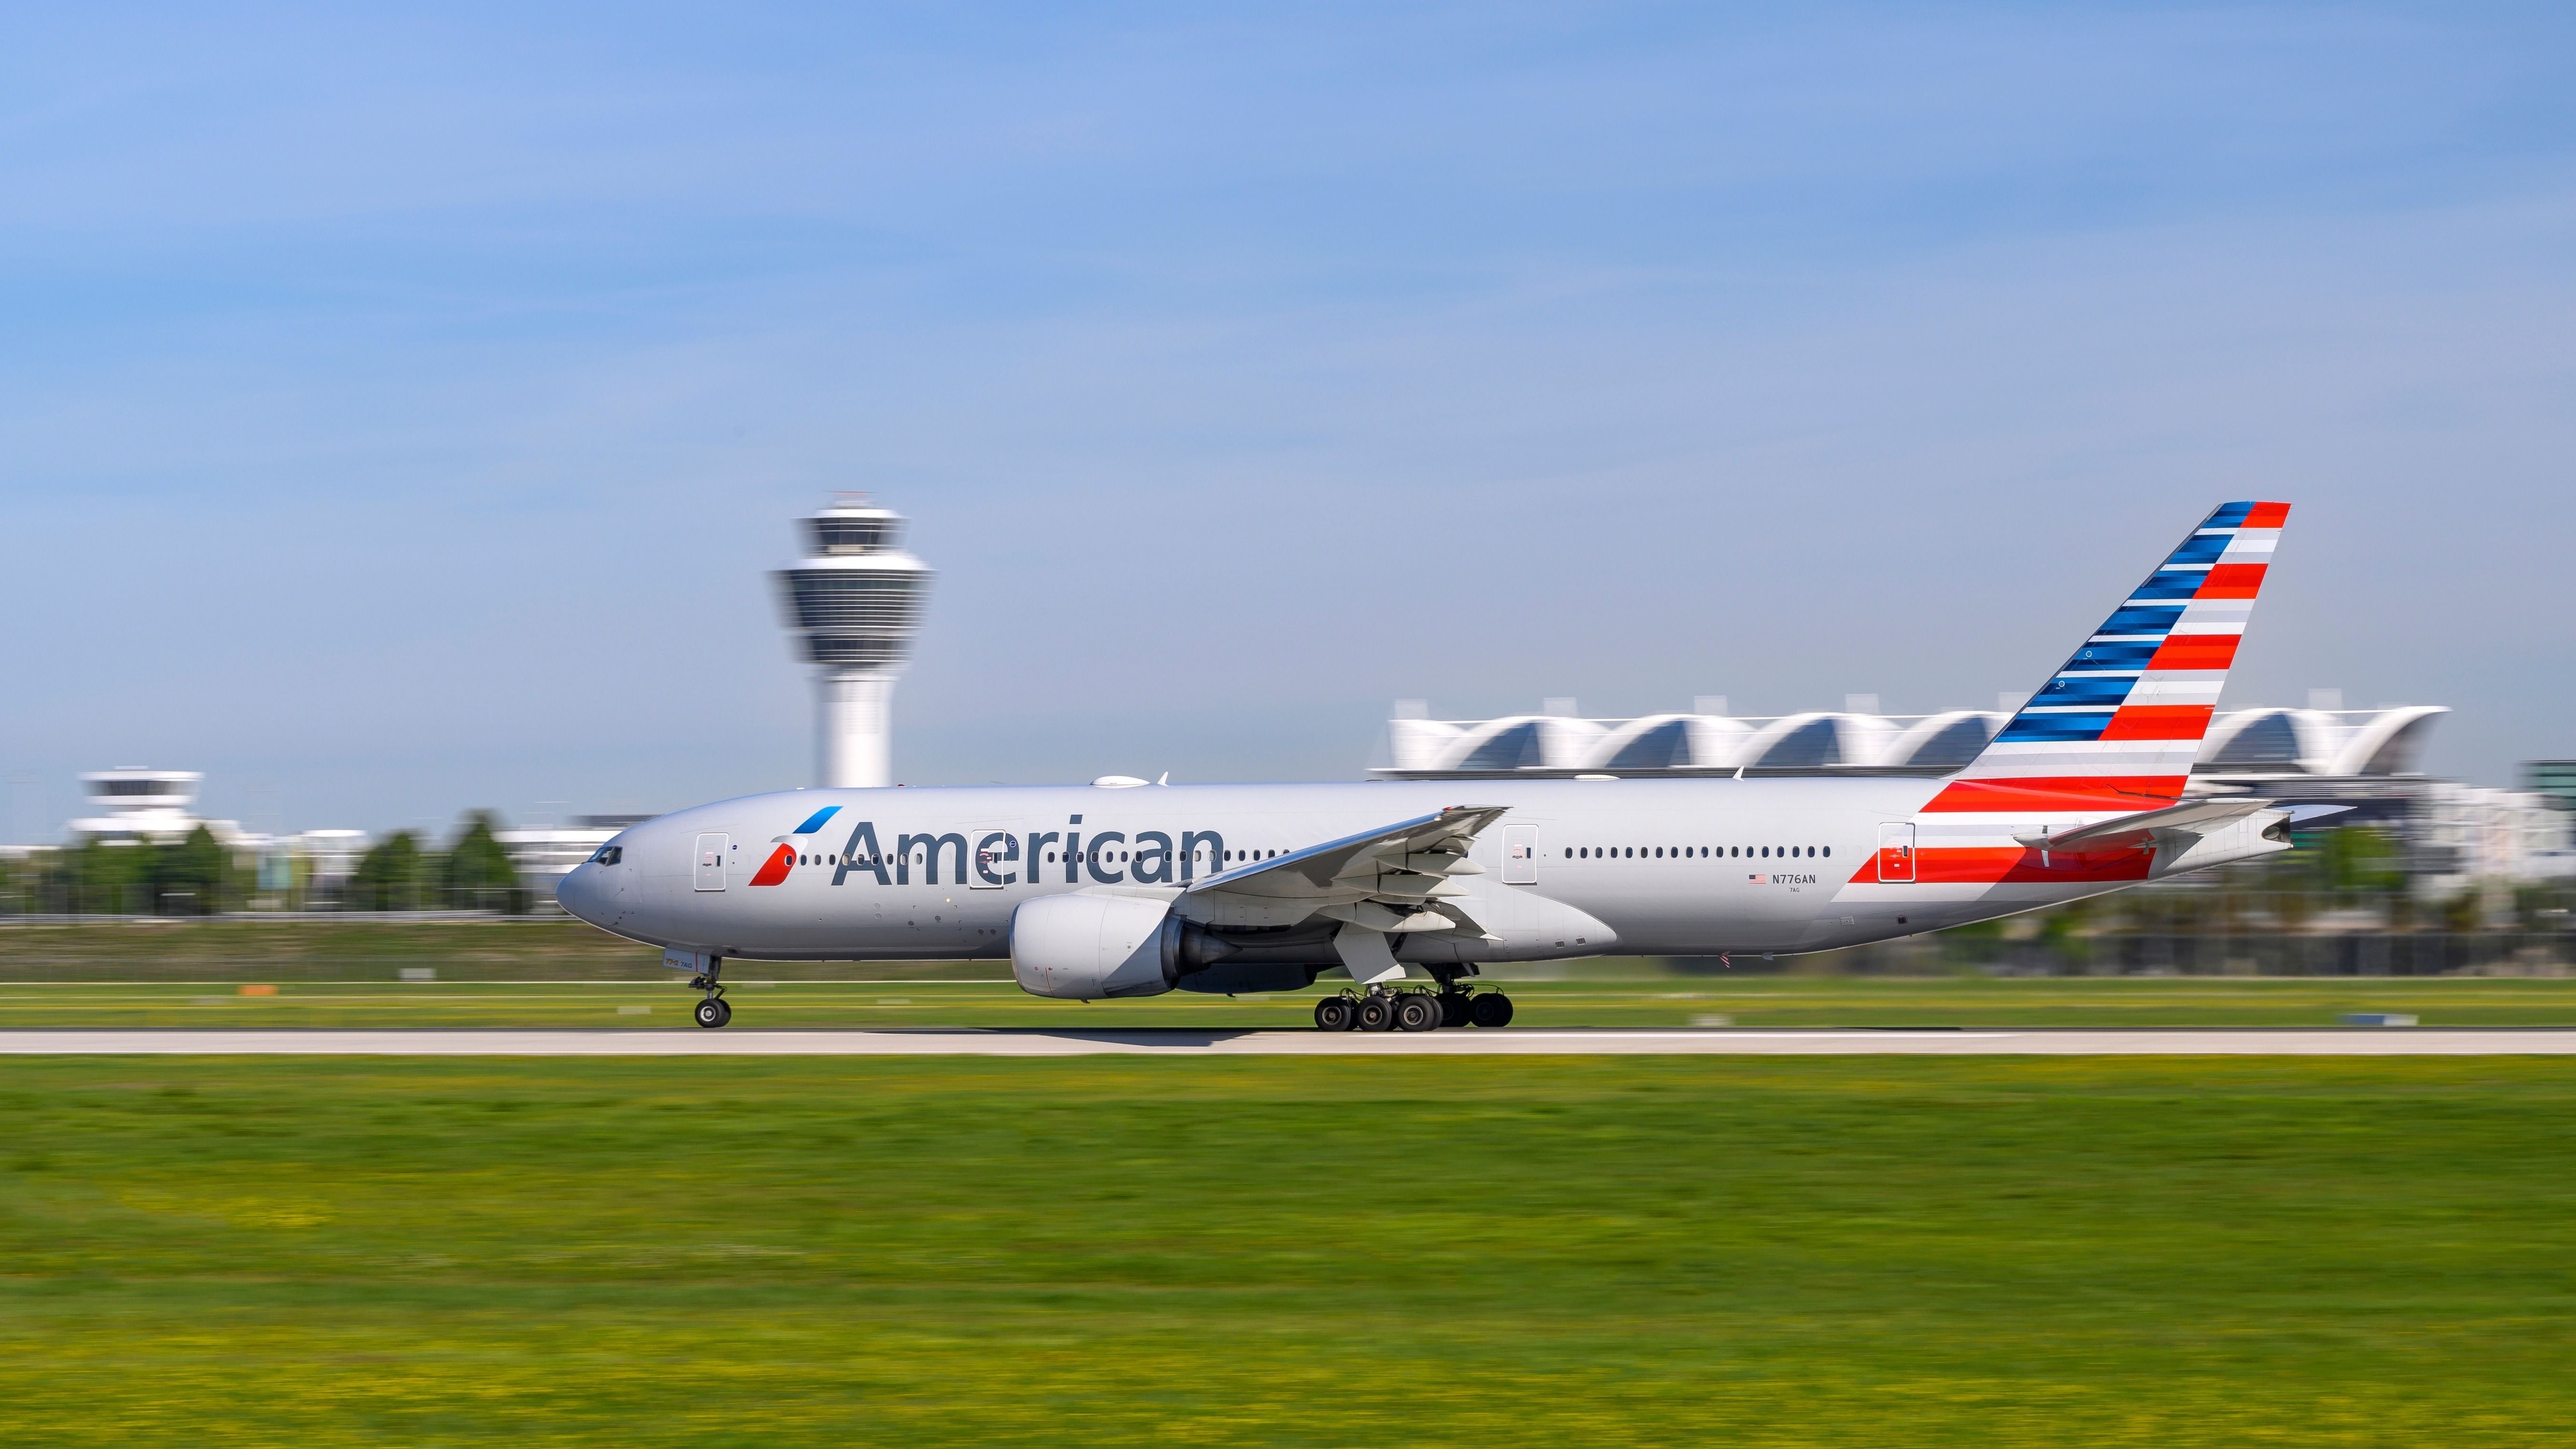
712 1012
1454 1007
1377 1012
1491 1009
1417 1011
725 1008
1336 1013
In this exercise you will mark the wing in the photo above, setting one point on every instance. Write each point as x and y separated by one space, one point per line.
1403 877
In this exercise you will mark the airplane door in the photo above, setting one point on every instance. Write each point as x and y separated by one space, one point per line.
994 861
1520 855
1895 853
707 868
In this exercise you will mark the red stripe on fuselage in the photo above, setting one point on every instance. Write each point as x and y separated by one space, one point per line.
774 869
2056 794
2016 865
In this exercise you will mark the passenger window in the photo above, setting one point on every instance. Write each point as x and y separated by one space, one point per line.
1829 850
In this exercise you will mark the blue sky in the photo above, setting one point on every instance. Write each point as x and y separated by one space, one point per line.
398 413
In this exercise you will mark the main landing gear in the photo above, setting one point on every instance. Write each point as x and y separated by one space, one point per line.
1383 1010
712 1010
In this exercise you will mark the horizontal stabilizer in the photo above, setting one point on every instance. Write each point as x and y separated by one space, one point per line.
2195 818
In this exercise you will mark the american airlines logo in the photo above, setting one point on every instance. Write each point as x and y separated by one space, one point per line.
988 857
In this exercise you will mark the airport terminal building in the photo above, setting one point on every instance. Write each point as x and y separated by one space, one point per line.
2366 759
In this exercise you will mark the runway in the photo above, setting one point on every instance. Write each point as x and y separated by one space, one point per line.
2389 1042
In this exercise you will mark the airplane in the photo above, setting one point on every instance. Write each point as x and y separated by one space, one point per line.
1122 889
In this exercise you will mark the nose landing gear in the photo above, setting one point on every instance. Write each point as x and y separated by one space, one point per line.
712 1010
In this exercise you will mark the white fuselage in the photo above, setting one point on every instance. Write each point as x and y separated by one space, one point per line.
1577 868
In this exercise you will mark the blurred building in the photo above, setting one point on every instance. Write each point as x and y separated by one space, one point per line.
319 862
854 601
2553 780
141 804
2458 834
138 805
2261 744
2368 760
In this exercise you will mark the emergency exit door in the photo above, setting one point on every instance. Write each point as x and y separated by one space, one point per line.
1520 855
707 868
1896 853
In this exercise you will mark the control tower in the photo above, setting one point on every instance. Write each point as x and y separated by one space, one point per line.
144 804
854 601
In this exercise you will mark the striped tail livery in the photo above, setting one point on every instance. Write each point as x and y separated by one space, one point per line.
2118 724
2083 790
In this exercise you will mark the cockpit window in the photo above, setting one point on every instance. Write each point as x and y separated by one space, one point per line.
608 855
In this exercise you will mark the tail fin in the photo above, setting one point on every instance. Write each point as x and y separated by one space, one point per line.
2120 722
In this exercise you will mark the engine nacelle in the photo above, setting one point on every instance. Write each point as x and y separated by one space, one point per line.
1084 948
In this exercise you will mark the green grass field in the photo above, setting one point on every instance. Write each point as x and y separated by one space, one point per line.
1310 1252
1646 1000
334 972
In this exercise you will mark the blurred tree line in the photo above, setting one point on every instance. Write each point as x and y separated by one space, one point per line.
198 876
191 877
472 874
2336 882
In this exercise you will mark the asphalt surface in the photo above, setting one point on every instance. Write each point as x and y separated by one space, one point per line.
2356 1042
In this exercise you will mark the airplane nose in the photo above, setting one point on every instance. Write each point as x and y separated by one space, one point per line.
580 893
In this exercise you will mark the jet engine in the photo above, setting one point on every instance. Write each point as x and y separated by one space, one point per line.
1084 947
